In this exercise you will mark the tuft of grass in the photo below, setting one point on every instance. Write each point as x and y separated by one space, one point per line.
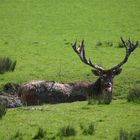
108 43
102 99
120 45
125 135
98 43
105 99
67 131
41 133
135 135
105 43
92 101
134 94
88 129
6 64
17 136
2 110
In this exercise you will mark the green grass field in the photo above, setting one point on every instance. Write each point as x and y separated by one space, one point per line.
38 34
108 120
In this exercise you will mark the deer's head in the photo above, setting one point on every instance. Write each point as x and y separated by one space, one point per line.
105 75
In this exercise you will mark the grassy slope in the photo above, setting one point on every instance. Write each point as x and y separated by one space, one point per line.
108 119
38 35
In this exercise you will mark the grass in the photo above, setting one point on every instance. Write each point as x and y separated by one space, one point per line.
125 135
6 64
40 134
134 94
66 131
17 136
88 129
2 110
107 118
102 99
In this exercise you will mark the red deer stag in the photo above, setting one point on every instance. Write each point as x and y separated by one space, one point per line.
35 92
104 84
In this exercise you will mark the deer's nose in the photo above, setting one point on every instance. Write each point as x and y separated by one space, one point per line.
109 84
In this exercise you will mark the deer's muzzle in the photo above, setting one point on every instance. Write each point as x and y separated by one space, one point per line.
108 87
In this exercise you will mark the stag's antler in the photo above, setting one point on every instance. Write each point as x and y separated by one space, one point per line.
81 53
130 47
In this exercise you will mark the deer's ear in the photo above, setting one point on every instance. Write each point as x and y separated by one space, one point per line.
117 71
96 72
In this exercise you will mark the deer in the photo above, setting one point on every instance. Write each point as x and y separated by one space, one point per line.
104 84
44 91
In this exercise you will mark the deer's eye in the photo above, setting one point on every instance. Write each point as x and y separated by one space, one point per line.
104 76
112 76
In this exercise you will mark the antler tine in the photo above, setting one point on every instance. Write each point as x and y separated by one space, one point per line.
133 46
81 53
124 43
130 47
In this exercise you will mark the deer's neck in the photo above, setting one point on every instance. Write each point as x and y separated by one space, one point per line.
95 88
